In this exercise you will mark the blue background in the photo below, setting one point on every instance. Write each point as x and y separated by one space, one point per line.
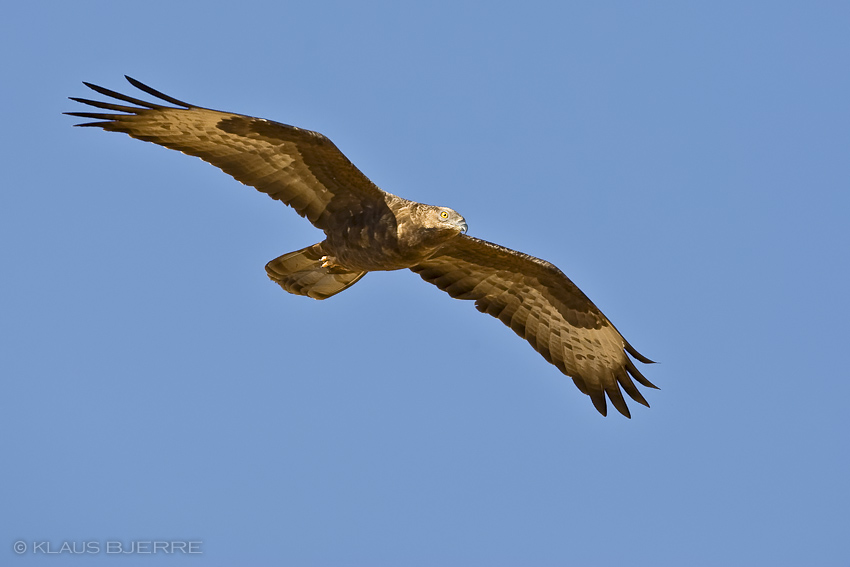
686 164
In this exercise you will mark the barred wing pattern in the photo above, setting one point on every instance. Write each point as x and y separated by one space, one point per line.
540 304
301 168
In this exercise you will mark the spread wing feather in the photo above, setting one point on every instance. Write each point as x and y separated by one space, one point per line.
301 168
540 304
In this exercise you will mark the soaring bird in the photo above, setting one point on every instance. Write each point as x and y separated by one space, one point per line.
367 229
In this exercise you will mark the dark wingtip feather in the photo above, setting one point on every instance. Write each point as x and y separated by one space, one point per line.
153 92
626 382
105 105
95 115
630 366
598 399
103 121
633 351
119 96
616 398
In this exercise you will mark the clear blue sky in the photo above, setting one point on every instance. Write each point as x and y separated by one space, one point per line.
686 164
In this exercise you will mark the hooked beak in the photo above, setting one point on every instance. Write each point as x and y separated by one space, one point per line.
463 226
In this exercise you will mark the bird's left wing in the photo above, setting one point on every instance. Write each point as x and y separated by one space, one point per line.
303 169
540 304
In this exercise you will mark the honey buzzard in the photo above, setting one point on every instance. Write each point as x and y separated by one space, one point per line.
367 229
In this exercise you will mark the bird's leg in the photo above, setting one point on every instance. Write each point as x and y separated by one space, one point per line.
328 261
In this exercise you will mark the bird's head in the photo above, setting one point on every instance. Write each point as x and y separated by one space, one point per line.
426 227
446 219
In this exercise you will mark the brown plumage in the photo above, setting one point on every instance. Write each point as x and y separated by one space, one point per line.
367 229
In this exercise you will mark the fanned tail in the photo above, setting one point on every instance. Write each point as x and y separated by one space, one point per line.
301 273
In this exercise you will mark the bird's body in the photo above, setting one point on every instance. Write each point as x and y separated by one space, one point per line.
367 229
398 234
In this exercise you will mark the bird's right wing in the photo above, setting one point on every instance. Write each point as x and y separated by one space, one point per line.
540 304
303 169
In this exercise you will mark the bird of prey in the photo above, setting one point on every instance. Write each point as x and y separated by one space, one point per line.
367 229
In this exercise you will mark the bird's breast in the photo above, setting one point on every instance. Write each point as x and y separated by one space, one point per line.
376 246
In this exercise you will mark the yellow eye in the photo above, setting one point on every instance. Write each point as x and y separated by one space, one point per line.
444 215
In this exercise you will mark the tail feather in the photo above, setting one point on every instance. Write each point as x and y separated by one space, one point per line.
301 273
